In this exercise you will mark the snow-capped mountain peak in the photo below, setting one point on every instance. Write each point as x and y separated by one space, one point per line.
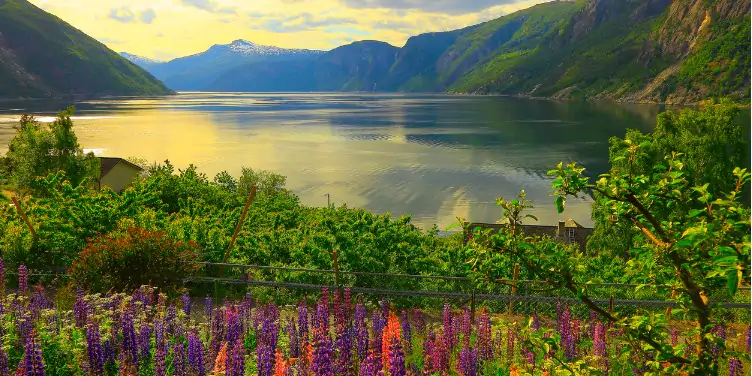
138 60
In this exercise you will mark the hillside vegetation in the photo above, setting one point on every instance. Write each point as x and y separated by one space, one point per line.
43 56
636 51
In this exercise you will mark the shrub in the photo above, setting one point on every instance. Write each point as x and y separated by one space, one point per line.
124 260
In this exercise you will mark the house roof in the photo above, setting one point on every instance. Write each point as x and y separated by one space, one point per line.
580 233
108 163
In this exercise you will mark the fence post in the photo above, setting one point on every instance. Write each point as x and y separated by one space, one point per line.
336 270
472 306
611 304
23 216
514 287
251 196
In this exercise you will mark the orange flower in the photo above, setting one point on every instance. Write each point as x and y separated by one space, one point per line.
514 371
280 366
392 332
220 365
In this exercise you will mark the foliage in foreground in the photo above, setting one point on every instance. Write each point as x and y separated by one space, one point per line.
694 244
147 334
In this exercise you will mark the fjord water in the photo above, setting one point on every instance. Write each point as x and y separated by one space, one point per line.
434 157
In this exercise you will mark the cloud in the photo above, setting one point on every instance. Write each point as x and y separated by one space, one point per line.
304 21
122 14
433 6
148 16
208 5
125 14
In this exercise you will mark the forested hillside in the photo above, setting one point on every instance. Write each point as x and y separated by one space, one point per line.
43 56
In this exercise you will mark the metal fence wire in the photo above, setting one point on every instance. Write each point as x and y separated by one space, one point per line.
286 285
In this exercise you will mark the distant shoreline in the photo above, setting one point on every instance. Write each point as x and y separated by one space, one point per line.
79 97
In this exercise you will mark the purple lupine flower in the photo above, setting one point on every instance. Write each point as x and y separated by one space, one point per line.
172 318
344 345
361 331
234 327
484 344
468 361
593 323
129 343
237 360
720 332
322 311
347 303
186 304
32 362
80 309
599 340
368 366
465 324
736 368
23 278
339 315
384 309
292 338
4 365
441 355
377 328
2 278
160 364
144 341
178 360
567 337
420 322
396 359
94 351
196 355
108 349
536 322
322 354
510 345
748 338
429 346
448 334
267 341
407 333
303 321
208 306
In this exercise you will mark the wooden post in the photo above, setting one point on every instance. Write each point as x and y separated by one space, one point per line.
238 227
668 309
472 307
23 216
514 287
336 270
611 304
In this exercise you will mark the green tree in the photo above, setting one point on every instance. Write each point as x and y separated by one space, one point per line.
38 150
266 182
713 142
699 254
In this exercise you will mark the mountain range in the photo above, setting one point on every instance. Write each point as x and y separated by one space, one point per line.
43 56
669 51
672 51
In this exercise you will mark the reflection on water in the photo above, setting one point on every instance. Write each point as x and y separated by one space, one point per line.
435 157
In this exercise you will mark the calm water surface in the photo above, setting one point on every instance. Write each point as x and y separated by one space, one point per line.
434 157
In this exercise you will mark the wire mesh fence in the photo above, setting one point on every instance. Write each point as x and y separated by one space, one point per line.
286 285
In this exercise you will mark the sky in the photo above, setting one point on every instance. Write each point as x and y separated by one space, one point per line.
165 29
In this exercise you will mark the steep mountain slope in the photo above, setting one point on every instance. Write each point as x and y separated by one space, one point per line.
143 62
636 50
355 67
675 51
42 56
197 71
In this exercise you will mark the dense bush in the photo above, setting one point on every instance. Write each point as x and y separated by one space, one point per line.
128 259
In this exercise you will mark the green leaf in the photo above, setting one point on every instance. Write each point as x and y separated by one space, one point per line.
531 216
560 204
733 283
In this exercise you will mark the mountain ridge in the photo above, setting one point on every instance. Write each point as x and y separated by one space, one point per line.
42 56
